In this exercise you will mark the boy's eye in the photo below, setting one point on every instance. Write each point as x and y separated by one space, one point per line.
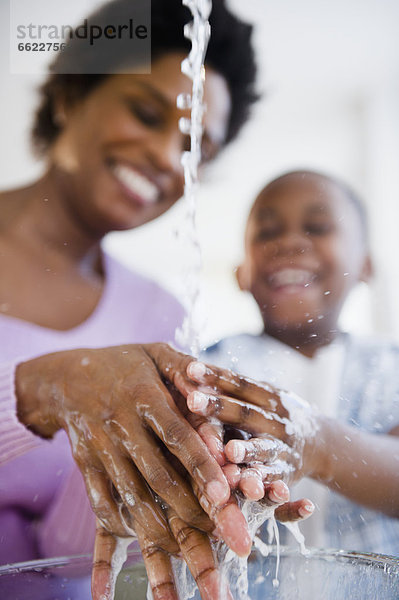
148 115
267 233
318 228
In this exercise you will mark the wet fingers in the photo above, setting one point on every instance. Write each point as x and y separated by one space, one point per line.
158 567
231 411
103 503
232 474
229 522
211 433
237 386
109 555
264 450
295 511
136 502
197 553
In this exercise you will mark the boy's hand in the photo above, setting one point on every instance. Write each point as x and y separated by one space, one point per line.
258 481
282 424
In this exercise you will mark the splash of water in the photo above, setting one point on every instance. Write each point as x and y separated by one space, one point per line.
198 32
232 568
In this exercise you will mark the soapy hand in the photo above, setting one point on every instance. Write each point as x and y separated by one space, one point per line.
121 418
282 427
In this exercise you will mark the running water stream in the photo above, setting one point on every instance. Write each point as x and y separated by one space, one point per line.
232 568
198 32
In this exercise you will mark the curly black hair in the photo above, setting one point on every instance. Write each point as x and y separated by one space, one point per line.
230 53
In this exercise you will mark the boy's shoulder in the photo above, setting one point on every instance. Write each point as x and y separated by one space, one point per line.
372 345
236 352
233 343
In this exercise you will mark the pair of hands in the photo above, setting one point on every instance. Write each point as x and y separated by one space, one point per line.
134 446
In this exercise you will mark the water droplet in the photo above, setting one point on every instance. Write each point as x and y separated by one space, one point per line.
183 101
310 320
184 125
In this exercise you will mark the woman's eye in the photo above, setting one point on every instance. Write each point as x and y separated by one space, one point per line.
208 151
145 114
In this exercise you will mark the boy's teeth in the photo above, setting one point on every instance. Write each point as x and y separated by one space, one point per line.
137 183
291 277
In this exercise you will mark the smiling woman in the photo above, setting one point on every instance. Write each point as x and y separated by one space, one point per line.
112 148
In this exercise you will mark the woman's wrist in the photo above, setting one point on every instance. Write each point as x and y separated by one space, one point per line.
33 400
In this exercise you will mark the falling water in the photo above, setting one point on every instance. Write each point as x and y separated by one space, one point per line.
198 32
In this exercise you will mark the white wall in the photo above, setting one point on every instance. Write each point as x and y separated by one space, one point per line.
330 76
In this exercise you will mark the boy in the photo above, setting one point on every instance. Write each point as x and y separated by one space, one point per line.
306 247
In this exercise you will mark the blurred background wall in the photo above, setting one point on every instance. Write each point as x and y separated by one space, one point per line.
329 79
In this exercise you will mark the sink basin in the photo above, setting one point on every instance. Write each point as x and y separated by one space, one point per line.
324 574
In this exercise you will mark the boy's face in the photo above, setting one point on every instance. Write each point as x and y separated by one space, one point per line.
304 252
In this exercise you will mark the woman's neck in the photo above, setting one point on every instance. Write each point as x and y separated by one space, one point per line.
37 217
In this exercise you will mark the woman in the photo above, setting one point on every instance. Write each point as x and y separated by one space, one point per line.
112 149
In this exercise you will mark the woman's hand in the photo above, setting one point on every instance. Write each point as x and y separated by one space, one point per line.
195 550
120 417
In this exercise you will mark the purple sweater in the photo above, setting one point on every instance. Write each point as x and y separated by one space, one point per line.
44 510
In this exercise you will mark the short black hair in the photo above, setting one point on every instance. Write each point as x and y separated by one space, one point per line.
230 53
352 197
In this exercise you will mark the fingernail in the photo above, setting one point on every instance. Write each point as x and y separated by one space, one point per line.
237 451
216 533
306 510
217 492
279 495
196 369
198 401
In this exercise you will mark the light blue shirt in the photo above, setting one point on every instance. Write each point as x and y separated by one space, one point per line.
368 399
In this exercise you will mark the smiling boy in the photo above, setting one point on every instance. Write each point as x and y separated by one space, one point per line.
306 247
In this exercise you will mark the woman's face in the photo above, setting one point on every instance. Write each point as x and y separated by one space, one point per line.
119 153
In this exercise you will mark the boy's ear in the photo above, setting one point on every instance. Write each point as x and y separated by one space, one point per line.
242 277
367 271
